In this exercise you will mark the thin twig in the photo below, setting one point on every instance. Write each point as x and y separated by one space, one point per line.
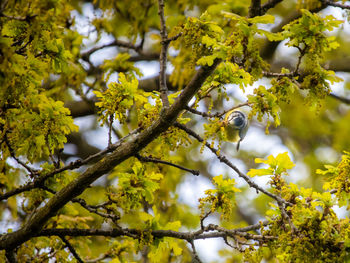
275 74
302 53
203 218
32 171
174 37
91 208
98 259
286 217
110 125
215 115
163 55
14 17
194 251
223 159
342 99
71 249
331 3
155 160
115 43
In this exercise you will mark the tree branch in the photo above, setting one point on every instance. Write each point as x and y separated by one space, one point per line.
127 149
154 160
342 99
218 114
196 257
210 231
331 3
255 8
11 256
163 55
71 249
268 5
116 43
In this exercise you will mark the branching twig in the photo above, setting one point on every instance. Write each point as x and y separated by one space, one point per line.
302 53
223 159
163 55
203 218
91 208
174 37
285 216
115 43
155 160
71 249
30 170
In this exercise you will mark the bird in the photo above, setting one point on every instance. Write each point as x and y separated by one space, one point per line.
236 126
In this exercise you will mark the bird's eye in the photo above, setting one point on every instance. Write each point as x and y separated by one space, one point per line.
238 121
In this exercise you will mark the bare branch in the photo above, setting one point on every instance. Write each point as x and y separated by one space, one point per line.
32 171
163 55
331 3
218 114
196 257
255 8
211 231
155 160
275 74
110 126
115 43
342 99
71 249
269 4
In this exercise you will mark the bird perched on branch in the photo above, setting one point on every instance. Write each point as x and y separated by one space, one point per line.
236 126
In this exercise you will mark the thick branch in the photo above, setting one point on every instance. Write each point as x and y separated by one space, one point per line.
123 152
255 8
210 231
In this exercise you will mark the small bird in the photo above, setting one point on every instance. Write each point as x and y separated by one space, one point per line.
236 126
